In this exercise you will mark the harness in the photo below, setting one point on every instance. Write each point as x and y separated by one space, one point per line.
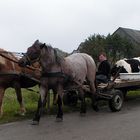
56 75
29 60
53 74
67 78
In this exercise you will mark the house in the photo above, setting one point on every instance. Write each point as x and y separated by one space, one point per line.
130 34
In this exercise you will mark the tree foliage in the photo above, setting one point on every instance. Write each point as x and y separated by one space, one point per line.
113 45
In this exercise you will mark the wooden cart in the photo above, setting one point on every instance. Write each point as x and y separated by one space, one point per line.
113 92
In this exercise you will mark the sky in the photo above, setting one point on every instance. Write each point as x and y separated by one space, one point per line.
63 24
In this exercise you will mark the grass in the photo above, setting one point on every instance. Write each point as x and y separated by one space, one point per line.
11 106
134 93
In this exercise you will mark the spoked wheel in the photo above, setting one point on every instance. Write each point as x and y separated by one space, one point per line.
116 103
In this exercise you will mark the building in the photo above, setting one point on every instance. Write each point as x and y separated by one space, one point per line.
130 34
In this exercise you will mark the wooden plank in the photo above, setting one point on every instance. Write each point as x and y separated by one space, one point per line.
126 83
118 83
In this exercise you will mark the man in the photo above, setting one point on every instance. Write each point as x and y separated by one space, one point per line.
103 73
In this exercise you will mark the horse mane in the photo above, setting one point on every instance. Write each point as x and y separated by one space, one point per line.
58 58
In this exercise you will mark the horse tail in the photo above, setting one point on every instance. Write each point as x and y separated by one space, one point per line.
91 72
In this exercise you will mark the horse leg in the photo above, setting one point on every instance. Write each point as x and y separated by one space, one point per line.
83 102
41 104
19 98
44 103
59 116
55 97
1 100
94 97
38 113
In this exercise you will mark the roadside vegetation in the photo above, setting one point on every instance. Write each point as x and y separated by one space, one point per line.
11 105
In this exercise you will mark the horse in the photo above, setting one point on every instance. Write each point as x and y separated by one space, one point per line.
10 77
126 66
58 73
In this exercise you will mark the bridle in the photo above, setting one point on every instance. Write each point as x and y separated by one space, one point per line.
28 59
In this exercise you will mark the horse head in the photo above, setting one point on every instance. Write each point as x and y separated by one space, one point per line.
32 55
39 52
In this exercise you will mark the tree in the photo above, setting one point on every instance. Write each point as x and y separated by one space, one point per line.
114 46
118 47
93 45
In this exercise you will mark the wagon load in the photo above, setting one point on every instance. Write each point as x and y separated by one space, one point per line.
127 69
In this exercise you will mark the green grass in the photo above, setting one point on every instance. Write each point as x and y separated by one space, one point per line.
11 105
134 93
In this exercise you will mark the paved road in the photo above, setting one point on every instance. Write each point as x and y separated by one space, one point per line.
104 125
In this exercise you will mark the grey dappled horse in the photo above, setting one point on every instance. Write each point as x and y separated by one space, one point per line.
59 73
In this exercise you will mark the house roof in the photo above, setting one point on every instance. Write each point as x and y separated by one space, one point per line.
134 34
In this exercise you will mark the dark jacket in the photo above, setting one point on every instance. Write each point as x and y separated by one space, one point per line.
104 69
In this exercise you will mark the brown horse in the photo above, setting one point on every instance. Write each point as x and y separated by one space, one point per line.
10 77
58 73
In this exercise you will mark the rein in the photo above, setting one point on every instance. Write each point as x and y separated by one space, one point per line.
61 75
8 58
29 60
29 67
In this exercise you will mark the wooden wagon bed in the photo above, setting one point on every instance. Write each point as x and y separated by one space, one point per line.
126 83
119 84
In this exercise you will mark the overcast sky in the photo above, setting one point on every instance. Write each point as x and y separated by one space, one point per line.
62 23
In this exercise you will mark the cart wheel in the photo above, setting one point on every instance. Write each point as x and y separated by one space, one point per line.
115 104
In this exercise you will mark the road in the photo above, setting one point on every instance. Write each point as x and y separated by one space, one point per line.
102 125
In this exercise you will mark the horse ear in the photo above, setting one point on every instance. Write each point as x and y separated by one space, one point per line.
37 41
55 52
42 46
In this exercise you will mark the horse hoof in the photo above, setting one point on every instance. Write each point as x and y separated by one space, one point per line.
59 119
35 123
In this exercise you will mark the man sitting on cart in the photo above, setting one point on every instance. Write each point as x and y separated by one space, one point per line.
103 73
